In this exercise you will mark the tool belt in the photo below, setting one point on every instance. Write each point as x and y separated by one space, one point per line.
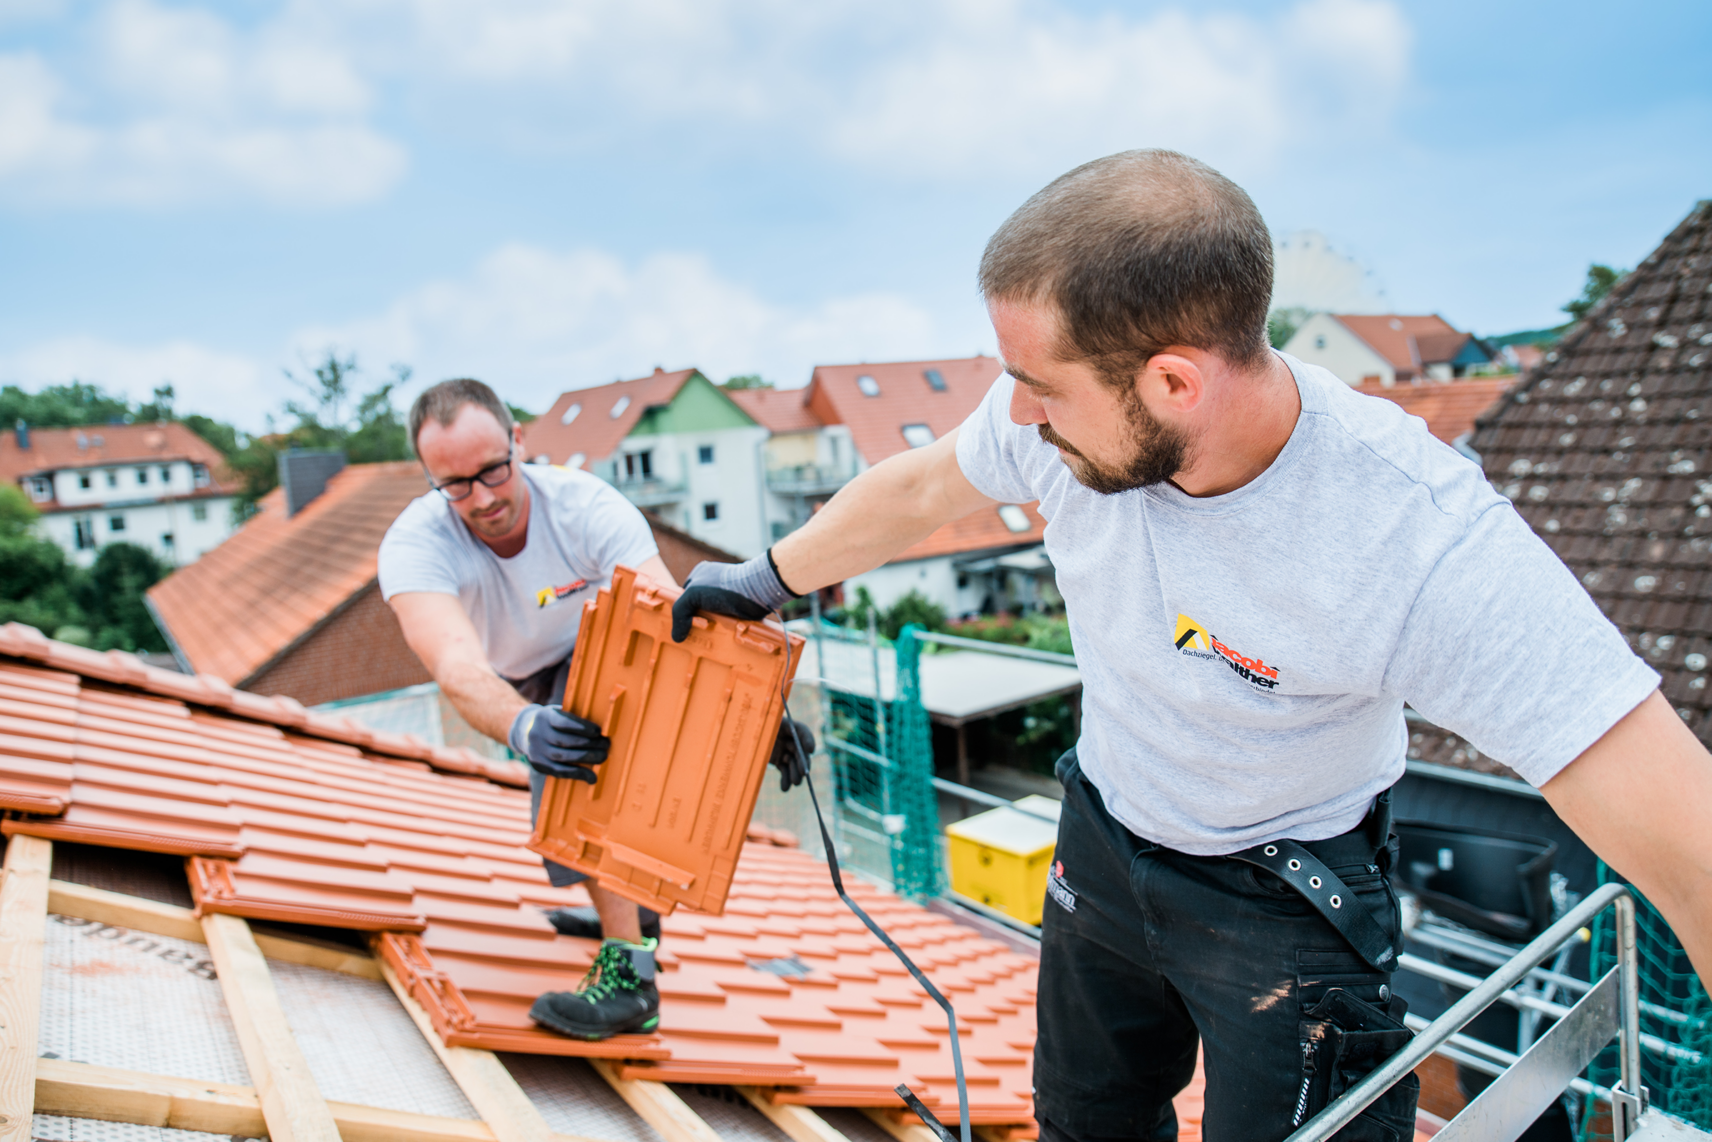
1291 862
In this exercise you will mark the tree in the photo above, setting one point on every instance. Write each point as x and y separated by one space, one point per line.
62 406
1281 324
1600 281
747 381
160 408
111 598
520 415
912 608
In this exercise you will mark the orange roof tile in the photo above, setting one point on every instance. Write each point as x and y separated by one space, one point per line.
1449 407
1396 336
94 446
604 416
777 410
296 817
275 580
905 397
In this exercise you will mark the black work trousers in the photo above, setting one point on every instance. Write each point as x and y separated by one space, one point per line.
1147 952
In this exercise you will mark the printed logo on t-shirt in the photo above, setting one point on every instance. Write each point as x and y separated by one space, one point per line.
547 596
1196 641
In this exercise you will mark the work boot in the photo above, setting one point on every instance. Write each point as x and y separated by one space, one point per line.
584 922
617 995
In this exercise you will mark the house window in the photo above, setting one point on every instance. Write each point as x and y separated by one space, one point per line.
1014 518
710 512
83 533
116 523
869 386
83 480
166 473
917 435
935 380
199 512
112 478
199 475
166 541
41 489
1320 341
618 407
571 414
639 465
704 454
574 461
142 475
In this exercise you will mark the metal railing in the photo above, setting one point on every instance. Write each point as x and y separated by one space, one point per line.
1528 1086
1003 648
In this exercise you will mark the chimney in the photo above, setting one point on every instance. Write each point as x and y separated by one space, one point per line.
304 475
23 431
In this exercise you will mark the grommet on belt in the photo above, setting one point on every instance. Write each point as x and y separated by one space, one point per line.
1337 902
1271 850
1295 866
1313 882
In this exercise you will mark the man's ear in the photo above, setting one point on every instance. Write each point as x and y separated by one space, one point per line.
1172 381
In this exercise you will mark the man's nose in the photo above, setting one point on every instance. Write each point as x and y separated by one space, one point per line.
481 496
1025 406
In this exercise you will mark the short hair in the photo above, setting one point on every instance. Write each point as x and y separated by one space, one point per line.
1139 251
442 402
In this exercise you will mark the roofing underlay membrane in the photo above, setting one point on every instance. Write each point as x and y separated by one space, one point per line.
283 822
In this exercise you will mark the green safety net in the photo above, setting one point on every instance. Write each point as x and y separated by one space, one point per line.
1674 1007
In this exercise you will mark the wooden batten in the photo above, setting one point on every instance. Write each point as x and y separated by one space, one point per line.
23 933
800 1123
657 1105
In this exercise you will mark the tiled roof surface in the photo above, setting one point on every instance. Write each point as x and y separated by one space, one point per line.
977 531
1397 337
1606 451
292 817
235 609
594 431
53 449
777 410
1449 407
905 397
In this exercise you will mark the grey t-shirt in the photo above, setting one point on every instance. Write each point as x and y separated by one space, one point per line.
1246 657
525 609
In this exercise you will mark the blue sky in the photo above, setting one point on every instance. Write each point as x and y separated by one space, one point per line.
553 195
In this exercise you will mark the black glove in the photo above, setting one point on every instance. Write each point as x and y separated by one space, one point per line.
748 591
558 743
791 762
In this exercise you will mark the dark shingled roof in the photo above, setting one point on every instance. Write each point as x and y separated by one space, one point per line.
1606 450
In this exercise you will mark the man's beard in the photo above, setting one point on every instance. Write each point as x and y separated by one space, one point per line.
1160 451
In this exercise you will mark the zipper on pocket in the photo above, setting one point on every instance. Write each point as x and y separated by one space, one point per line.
1307 1083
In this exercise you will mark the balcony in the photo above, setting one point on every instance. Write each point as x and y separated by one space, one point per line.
649 492
806 480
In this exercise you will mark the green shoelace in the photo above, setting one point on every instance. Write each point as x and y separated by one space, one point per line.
611 971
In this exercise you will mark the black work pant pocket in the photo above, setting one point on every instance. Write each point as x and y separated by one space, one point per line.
1342 1040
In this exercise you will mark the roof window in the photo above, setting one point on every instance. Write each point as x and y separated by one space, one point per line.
571 414
935 380
917 435
1014 518
869 386
576 460
618 407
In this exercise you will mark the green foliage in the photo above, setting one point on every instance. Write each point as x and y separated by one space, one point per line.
17 513
1281 324
747 381
111 594
521 416
1035 631
216 432
1600 281
380 433
912 608
62 406
160 408
101 607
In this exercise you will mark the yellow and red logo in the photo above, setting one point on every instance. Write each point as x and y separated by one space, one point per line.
547 596
1195 639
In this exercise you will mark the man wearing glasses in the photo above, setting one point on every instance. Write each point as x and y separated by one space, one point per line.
488 573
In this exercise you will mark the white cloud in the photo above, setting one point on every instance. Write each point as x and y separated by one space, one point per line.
177 105
228 386
534 322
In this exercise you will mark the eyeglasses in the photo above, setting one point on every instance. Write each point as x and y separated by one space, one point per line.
491 476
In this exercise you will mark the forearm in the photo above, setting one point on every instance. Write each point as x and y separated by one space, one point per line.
888 508
484 699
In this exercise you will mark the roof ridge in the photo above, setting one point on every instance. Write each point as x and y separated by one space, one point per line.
126 669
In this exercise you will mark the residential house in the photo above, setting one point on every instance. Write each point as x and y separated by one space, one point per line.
291 605
675 444
850 417
159 486
1388 349
1450 410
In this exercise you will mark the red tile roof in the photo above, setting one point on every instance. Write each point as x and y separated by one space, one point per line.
905 397
1399 337
294 817
594 431
1450 408
777 410
54 449
977 531
275 580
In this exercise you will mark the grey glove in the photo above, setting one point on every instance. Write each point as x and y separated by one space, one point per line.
742 590
558 743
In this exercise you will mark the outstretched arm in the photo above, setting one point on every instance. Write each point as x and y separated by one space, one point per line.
896 503
437 629
1641 797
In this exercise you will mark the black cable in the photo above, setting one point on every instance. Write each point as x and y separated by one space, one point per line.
902 1090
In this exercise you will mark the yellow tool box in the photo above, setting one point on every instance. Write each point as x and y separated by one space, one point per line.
1000 858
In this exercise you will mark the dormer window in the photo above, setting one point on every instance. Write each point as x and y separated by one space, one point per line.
571 414
199 475
935 380
41 489
869 386
618 407
917 435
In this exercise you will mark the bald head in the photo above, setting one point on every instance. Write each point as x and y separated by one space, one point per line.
1137 252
